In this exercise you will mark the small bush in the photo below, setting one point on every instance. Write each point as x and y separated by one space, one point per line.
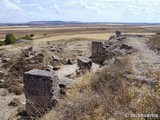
27 37
2 43
10 39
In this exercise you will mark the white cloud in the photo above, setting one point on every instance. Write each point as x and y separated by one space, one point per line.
41 8
58 10
82 10
6 5
17 1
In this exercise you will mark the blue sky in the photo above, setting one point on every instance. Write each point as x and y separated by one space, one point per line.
80 10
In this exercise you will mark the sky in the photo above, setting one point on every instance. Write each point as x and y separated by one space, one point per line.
19 11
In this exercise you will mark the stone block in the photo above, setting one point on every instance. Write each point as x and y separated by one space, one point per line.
98 49
40 90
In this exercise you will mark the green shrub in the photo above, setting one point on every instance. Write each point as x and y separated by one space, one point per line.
2 43
10 39
27 37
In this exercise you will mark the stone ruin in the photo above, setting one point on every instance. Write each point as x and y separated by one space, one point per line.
102 52
41 90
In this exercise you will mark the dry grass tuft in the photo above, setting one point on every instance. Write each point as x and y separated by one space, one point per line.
154 42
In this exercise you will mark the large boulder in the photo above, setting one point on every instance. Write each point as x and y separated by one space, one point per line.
84 63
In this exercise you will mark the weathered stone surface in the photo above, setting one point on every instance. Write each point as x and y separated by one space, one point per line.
98 49
118 33
5 59
1 80
64 82
56 67
59 50
121 37
110 55
158 33
112 37
71 76
15 102
70 61
40 89
1 74
49 68
33 53
126 47
84 63
53 49
30 48
56 58
3 92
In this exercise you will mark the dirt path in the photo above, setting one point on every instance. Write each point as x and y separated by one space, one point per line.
145 62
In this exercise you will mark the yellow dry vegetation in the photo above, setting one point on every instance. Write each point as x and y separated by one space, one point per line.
104 95
94 36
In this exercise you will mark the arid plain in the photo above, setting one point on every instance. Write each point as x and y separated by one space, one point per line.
55 45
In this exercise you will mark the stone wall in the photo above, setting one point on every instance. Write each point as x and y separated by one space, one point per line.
98 49
40 90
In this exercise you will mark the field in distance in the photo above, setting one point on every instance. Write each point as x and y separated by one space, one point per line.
86 31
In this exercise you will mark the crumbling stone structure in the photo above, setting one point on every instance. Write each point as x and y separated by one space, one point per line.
98 49
41 90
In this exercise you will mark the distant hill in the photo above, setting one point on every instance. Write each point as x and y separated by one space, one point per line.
53 22
41 23
68 22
